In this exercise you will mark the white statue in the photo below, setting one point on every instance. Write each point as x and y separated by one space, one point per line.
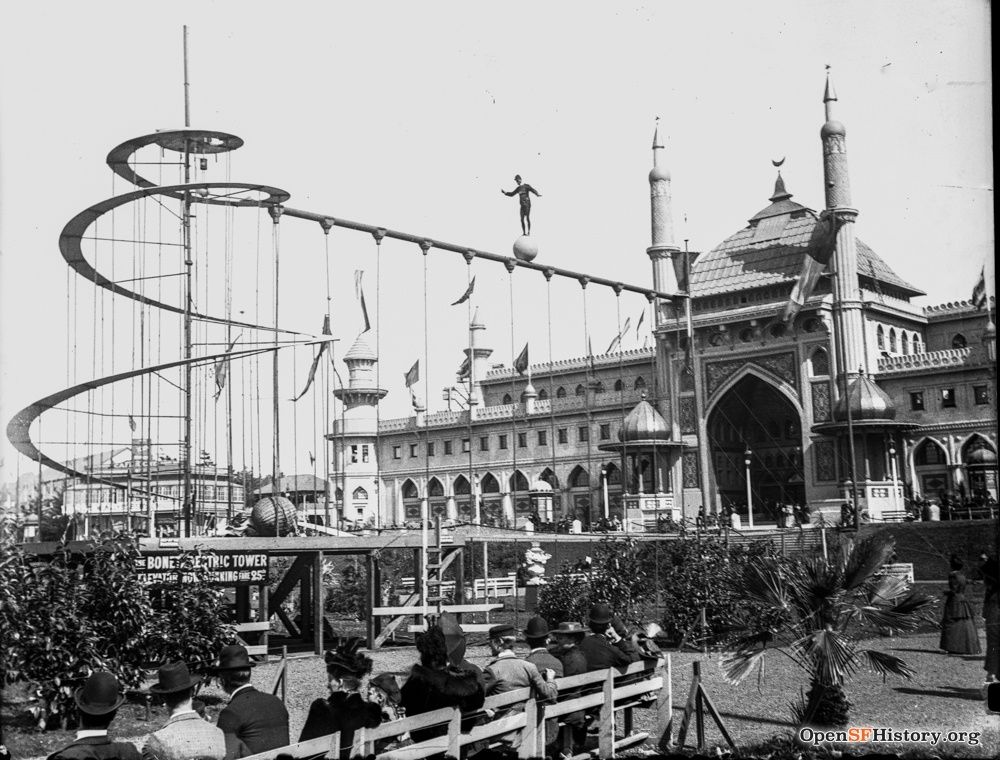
534 561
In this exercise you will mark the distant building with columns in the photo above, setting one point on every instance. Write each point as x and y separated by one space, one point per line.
802 348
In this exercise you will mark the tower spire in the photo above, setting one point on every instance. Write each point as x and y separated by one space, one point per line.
662 249
829 95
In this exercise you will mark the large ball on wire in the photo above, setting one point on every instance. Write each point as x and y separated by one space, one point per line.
525 248
273 516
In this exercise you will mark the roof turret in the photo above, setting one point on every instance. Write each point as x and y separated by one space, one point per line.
644 423
867 402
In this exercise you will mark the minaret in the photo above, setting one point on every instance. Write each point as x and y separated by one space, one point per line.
845 257
663 252
356 431
477 356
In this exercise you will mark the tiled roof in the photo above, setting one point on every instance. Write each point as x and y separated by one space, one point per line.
770 252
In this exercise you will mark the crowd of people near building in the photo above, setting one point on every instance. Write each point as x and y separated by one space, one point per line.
255 721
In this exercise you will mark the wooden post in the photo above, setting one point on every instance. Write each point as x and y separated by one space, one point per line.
284 674
374 599
533 735
486 575
606 726
460 580
306 609
454 734
822 536
318 603
699 710
419 557
263 615
665 707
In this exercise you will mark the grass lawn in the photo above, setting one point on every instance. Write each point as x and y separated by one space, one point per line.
943 696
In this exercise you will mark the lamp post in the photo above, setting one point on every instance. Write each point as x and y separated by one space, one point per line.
746 461
604 490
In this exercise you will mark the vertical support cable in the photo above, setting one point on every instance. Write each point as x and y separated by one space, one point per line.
378 234
584 280
326 225
472 402
275 212
515 402
425 504
552 396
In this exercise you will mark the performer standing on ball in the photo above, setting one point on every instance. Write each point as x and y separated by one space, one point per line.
523 191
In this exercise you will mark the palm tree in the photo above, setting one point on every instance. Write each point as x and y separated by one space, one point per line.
819 614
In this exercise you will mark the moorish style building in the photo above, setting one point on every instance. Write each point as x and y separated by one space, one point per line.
763 394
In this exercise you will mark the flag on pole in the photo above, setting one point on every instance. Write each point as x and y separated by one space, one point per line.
818 253
131 423
359 293
412 377
222 369
465 370
521 362
467 293
979 296
618 338
316 359
638 324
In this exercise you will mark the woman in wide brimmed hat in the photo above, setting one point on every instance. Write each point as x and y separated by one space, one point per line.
345 710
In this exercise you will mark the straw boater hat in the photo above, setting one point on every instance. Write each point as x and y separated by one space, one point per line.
503 631
99 694
570 629
174 677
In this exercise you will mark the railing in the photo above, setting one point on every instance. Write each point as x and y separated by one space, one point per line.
613 691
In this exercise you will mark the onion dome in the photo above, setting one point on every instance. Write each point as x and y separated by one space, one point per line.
983 457
990 331
529 392
361 350
867 400
831 128
644 423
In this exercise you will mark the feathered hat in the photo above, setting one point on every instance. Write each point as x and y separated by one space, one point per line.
346 659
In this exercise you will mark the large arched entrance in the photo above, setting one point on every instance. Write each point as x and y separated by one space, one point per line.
754 415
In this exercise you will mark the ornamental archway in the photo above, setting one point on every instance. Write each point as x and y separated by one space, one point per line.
753 414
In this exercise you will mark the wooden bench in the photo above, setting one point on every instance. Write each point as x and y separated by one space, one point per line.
894 515
616 692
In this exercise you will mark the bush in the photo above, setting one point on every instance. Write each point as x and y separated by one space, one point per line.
63 617
564 598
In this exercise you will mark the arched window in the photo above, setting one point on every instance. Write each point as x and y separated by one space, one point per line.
434 488
461 486
506 399
549 477
892 340
580 390
613 474
598 387
410 490
904 343
640 384
959 341
929 452
489 484
518 482
543 394
360 494
880 338
338 495
560 392
819 363
579 478
619 385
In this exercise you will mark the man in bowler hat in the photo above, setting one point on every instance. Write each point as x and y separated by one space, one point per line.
536 633
186 734
97 701
605 647
259 720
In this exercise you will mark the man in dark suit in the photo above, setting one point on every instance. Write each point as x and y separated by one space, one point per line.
604 647
568 637
258 720
97 701
537 635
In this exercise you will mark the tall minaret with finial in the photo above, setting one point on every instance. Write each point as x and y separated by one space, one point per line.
663 251
845 257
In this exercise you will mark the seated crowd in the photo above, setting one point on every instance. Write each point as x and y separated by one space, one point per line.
254 721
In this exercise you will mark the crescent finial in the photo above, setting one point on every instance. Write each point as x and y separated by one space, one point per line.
778 162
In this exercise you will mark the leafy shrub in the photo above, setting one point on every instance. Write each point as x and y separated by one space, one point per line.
566 597
348 594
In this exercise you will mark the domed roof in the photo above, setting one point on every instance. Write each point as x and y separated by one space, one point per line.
867 400
658 173
540 485
833 128
361 350
770 250
644 423
983 456
529 391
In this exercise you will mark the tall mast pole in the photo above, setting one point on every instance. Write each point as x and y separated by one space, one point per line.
188 504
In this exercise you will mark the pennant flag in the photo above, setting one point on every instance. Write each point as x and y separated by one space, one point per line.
467 293
131 423
818 253
312 459
979 291
465 370
359 293
316 359
413 374
521 362
642 316
618 338
222 369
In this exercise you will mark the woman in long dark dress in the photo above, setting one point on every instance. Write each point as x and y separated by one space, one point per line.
344 710
991 612
958 626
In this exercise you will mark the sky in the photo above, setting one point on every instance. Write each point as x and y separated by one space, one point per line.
411 116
